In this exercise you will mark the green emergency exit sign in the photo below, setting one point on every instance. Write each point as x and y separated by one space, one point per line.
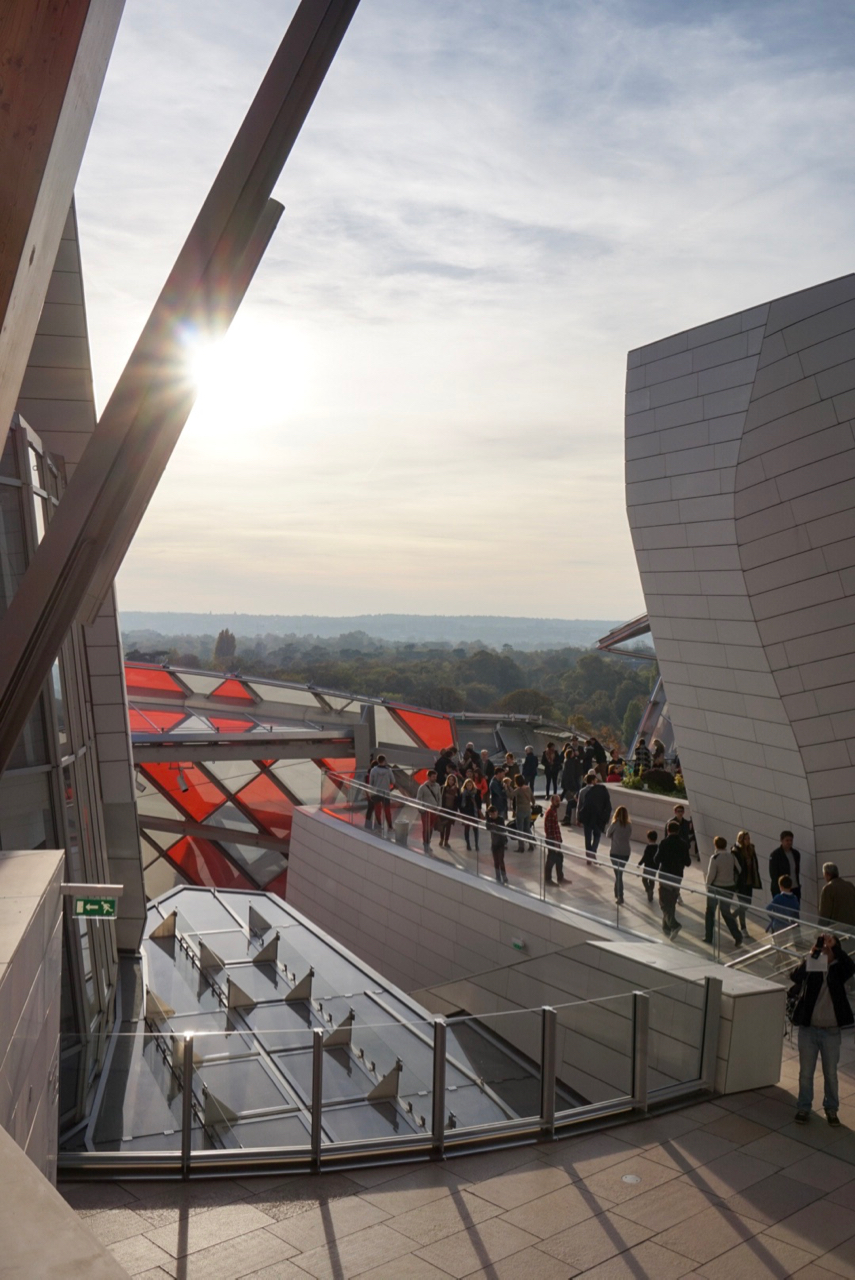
96 908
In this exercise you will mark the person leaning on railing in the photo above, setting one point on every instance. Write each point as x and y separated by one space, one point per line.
837 900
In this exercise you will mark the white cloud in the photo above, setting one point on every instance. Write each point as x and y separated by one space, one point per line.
488 205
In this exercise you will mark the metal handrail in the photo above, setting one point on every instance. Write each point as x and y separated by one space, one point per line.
401 798
435 1143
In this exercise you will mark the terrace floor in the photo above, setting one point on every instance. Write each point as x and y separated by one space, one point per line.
729 1189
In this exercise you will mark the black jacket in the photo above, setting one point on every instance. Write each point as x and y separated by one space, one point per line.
840 969
529 768
571 774
596 806
673 857
783 864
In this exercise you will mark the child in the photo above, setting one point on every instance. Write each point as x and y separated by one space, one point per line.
784 907
498 843
648 862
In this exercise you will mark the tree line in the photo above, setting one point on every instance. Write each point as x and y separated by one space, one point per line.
567 686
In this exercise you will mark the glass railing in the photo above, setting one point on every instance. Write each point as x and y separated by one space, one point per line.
313 1086
591 886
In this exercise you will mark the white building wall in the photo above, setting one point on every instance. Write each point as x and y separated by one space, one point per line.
740 482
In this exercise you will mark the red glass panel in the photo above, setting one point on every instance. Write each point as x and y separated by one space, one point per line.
224 725
201 796
279 885
153 721
435 732
270 806
233 689
152 680
420 776
204 864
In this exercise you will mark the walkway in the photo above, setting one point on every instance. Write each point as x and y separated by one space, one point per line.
727 1190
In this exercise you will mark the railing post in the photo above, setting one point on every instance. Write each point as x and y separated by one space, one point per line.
640 1048
712 1017
548 1051
186 1106
317 1095
438 1118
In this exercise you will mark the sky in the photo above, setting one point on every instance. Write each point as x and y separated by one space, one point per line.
419 407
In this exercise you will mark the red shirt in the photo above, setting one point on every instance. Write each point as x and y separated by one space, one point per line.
551 829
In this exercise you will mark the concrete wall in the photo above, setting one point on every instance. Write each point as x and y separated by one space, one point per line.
740 484
30 970
448 939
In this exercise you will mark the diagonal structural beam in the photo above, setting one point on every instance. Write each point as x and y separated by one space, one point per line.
114 481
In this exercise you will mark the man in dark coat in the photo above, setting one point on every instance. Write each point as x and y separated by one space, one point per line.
594 810
785 861
671 861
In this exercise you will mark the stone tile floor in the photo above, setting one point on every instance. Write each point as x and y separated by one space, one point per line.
729 1189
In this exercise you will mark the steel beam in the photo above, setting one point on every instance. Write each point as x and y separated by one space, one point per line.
108 494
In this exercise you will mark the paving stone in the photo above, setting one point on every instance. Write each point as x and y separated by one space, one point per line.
582 1157
690 1151
201 1230
89 1197
233 1259
552 1213
819 1169
647 1259
355 1253
139 1256
418 1187
778 1149
664 1206
610 1182
331 1221
109 1225
818 1228
591 1242
737 1128
773 1198
709 1233
524 1183
760 1257
839 1261
729 1174
444 1217
531 1264
492 1163
656 1130
475 1249
410 1267
813 1271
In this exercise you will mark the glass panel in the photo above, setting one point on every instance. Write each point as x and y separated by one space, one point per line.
59 706
389 730
36 468
187 787
31 748
498 1058
26 812
13 555
234 773
86 966
269 804
595 1040
151 680
262 865
676 1016
201 862
39 516
223 724
302 778
279 693
233 689
200 683
9 456
149 721
435 732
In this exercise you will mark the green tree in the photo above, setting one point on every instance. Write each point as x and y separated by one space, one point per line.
225 646
526 702
631 719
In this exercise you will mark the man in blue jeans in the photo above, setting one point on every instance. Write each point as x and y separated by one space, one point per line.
821 1009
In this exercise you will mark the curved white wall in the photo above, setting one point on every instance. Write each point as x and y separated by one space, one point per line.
740 482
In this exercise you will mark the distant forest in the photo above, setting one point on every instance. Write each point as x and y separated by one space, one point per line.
568 686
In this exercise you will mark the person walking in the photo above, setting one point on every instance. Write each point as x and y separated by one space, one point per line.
497 795
647 862
749 875
554 852
722 878
551 762
837 900
487 766
687 829
594 808
529 768
450 805
821 1009
429 794
599 758
620 835
671 862
784 908
522 802
785 861
498 844
469 806
382 781
571 780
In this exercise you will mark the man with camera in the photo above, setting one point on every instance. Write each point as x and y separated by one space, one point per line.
820 1007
